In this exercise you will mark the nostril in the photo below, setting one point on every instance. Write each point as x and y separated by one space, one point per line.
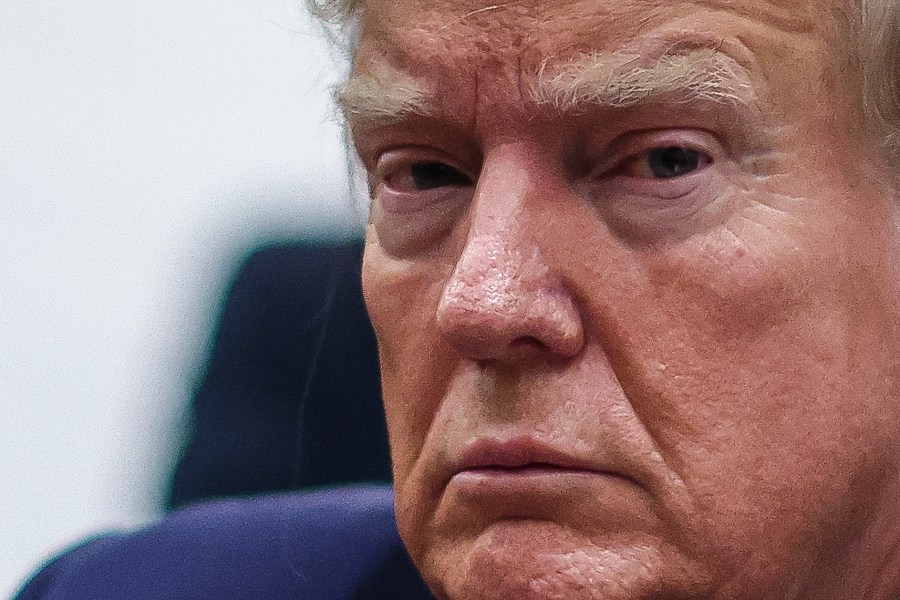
519 349
528 343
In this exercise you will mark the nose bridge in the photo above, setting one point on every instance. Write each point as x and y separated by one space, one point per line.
500 259
502 290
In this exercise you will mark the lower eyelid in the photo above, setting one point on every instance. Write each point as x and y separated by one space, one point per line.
692 179
653 191
391 183
400 202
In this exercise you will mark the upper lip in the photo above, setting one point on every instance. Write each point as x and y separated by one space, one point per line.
519 452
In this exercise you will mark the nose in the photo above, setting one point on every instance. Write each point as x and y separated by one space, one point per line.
504 300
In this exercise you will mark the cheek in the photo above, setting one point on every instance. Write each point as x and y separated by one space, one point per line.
402 298
766 371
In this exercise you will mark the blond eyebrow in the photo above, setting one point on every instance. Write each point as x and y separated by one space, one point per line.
383 100
593 81
598 81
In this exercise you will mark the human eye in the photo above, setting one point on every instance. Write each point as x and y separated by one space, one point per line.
656 183
659 164
417 180
666 162
423 176
418 194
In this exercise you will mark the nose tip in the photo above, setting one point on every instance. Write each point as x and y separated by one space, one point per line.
501 303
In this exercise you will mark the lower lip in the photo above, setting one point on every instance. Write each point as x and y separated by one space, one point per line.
499 480
604 499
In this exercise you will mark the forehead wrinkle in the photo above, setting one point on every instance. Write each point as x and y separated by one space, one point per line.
599 80
786 15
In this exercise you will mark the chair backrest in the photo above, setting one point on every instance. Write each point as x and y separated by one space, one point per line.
291 395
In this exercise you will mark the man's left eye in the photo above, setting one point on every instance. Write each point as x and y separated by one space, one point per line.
667 162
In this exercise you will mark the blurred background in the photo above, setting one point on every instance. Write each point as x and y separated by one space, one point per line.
146 151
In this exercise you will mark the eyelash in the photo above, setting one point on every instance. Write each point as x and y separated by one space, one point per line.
452 176
636 146
672 164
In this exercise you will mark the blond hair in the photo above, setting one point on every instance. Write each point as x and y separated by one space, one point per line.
875 29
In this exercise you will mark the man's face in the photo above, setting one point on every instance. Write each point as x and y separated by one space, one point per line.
634 279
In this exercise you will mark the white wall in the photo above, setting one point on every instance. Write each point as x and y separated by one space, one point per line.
143 147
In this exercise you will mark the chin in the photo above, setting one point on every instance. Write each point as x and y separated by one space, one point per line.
522 559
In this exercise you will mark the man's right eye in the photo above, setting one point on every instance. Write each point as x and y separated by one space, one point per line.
423 176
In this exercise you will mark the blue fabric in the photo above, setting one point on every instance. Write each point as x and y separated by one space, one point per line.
291 397
329 545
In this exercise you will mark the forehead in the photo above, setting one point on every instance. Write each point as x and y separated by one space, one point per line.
475 58
532 30
471 54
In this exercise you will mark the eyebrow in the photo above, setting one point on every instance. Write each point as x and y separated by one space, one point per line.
383 100
590 82
597 81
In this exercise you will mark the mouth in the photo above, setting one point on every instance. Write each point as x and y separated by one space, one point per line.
526 477
510 478
520 457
